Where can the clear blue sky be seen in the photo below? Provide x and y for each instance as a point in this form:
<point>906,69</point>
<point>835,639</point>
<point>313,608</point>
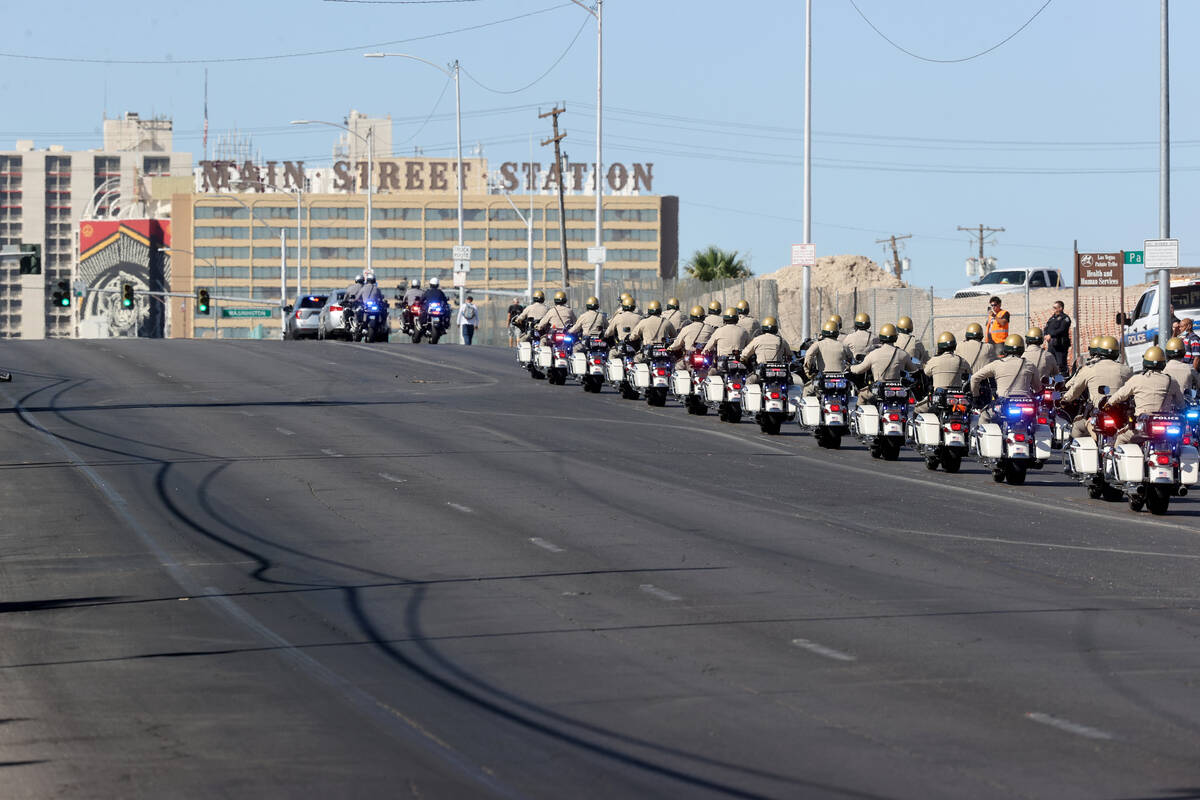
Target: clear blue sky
<point>1052,136</point>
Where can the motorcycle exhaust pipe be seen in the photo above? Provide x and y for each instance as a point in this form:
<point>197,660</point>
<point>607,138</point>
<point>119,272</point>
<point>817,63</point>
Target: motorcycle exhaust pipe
<point>1141,491</point>
<point>1183,491</point>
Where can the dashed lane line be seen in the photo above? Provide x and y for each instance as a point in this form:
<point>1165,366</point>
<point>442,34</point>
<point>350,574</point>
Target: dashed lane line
<point>661,594</point>
<point>462,508</point>
<point>822,650</point>
<point>550,546</point>
<point>1067,725</point>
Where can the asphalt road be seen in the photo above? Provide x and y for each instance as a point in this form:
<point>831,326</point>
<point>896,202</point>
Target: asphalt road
<point>271,569</point>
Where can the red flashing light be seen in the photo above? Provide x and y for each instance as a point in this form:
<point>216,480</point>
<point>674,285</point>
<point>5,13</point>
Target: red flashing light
<point>661,372</point>
<point>956,426</point>
<point>1042,421</point>
<point>737,386</point>
<point>297,314</point>
<point>597,361</point>
<point>1163,459</point>
<point>1108,423</point>
<point>335,308</point>
<point>835,407</point>
<point>894,417</point>
<point>912,400</point>
<point>774,395</point>
<point>1018,437</point>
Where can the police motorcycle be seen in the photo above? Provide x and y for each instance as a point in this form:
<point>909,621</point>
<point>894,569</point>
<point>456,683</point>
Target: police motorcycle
<point>432,323</point>
<point>372,325</point>
<point>619,368</point>
<point>553,355</point>
<point>651,377</point>
<point>1191,420</point>
<point>939,434</point>
<point>880,424</point>
<point>826,414</point>
<point>410,321</point>
<point>587,364</point>
<point>1081,455</point>
<point>722,392</point>
<point>526,353</point>
<point>768,399</point>
<point>1014,441</point>
<point>1050,412</point>
<point>687,384</point>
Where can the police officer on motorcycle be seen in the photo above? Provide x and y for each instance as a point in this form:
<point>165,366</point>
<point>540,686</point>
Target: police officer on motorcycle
<point>559,317</point>
<point>746,321</point>
<point>694,334</point>
<point>621,327</point>
<point>836,319</point>
<point>714,314</point>
<point>944,370</point>
<point>727,340</point>
<point>1152,392</point>
<point>1177,368</point>
<point>532,315</point>
<point>673,315</point>
<point>826,354</point>
<point>1105,371</point>
<point>1043,361</point>
<point>885,363</point>
<point>413,296</point>
<point>591,322</point>
<point>975,350</point>
<point>908,343</point>
<point>765,348</point>
<point>859,341</point>
<point>654,329</point>
<point>1012,372</point>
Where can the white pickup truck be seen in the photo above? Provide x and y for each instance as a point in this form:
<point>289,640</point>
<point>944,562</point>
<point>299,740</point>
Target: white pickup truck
<point>1008,281</point>
<point>1141,326</point>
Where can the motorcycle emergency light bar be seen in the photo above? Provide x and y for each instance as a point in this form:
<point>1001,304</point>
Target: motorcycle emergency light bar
<point>1168,430</point>
<point>1193,414</point>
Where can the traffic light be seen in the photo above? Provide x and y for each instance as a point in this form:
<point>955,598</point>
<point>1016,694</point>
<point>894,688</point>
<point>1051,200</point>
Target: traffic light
<point>202,306</point>
<point>62,298</point>
<point>127,295</point>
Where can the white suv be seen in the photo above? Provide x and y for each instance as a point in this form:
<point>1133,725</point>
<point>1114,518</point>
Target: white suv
<point>1141,326</point>
<point>1008,281</point>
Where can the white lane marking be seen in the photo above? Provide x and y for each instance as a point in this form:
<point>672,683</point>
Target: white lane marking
<point>661,594</point>
<point>247,413</point>
<point>463,509</point>
<point>164,375</point>
<point>1068,726</point>
<point>542,543</point>
<point>426,362</point>
<point>286,432</point>
<point>331,453</point>
<point>1051,545</point>
<point>822,650</point>
<point>392,478</point>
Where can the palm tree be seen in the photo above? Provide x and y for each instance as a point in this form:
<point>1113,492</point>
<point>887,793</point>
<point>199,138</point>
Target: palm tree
<point>712,263</point>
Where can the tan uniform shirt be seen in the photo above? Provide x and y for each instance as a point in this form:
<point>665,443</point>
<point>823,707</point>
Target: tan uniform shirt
<point>1184,375</point>
<point>885,363</point>
<point>675,317</point>
<point>767,347</point>
<point>532,313</point>
<point>622,325</point>
<point>557,318</point>
<point>590,323</point>
<point>913,346</point>
<point>1104,372</point>
<point>859,342</point>
<point>1152,393</point>
<point>827,355</point>
<point>947,370</point>
<point>977,354</point>
<point>652,330</point>
<point>727,339</point>
<point>715,320</point>
<point>1045,364</point>
<point>1013,374</point>
<point>750,325</point>
<point>696,334</point>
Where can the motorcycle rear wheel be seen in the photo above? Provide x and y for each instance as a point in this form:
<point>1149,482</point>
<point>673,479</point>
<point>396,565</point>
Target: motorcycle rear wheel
<point>931,463</point>
<point>1014,473</point>
<point>770,425</point>
<point>656,397</point>
<point>434,335</point>
<point>890,450</point>
<point>1158,500</point>
<point>951,462</point>
<point>416,336</point>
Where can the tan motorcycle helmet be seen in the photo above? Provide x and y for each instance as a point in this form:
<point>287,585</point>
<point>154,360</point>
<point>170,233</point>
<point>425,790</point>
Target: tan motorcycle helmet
<point>829,330</point>
<point>770,325</point>
<point>560,298</point>
<point>628,303</point>
<point>1094,346</point>
<point>730,317</point>
<point>946,343</point>
<point>696,314</point>
<point>1033,335</point>
<point>714,307</point>
<point>1014,345</point>
<point>887,334</point>
<point>673,304</point>
<point>975,331</point>
<point>904,325</point>
<point>862,321</point>
<point>836,319</point>
<point>539,296</point>
<point>743,308</point>
<point>1176,349</point>
<point>1108,347</point>
<point>1154,359</point>
<point>654,308</point>
<point>593,303</point>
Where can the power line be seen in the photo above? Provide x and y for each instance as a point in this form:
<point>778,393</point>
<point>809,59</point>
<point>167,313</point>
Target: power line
<point>1003,41</point>
<point>436,103</point>
<point>282,56</point>
<point>400,2</point>
<point>549,69</point>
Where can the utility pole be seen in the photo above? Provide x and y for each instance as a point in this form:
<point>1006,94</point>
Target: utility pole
<point>981,233</point>
<point>562,211</point>
<point>895,251</point>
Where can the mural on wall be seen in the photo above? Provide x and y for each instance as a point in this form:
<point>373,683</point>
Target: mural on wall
<point>113,253</point>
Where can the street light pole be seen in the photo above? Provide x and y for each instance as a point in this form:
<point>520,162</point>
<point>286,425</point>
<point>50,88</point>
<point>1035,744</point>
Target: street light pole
<point>369,141</point>
<point>1164,179</point>
<point>806,320</point>
<point>598,13</point>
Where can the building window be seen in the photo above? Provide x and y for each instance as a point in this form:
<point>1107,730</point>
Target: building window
<point>451,214</point>
<point>274,212</point>
<point>514,254</point>
<point>413,214</point>
<point>241,253</point>
<point>338,253</point>
<point>514,234</point>
<point>508,215</point>
<point>334,213</point>
<point>397,253</point>
<point>451,234</point>
<point>409,234</point>
<point>156,166</point>
<point>573,215</point>
<point>630,215</point>
<point>221,232</point>
<point>630,235</point>
<point>438,253</point>
<point>335,233</point>
<point>221,212</point>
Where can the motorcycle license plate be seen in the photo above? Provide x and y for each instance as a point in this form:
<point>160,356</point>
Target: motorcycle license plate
<point>734,394</point>
<point>774,405</point>
<point>1018,450</point>
<point>890,428</point>
<point>560,362</point>
<point>1162,474</point>
<point>838,419</point>
<point>660,380</point>
<point>597,369</point>
<point>955,438</point>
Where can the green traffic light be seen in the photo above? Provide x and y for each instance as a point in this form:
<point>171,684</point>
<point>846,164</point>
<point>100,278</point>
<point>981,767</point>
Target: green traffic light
<point>65,302</point>
<point>126,303</point>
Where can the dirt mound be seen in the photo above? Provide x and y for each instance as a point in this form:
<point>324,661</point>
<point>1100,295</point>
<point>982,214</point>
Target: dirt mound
<point>838,273</point>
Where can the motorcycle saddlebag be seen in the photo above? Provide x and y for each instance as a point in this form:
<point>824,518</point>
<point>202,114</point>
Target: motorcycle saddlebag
<point>1189,466</point>
<point>810,411</point>
<point>524,352</point>
<point>681,383</point>
<point>866,420</point>
<point>641,376</point>
<point>579,364</point>
<point>714,389</point>
<point>989,440</point>
<point>1129,462</point>
<point>1083,455</point>
<point>1043,442</point>
<point>927,429</point>
<point>614,370</point>
<point>545,356</point>
<point>752,398</point>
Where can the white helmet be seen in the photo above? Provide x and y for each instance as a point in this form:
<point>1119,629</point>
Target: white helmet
<point>414,284</point>
<point>433,282</point>
<point>360,279</point>
<point>370,279</point>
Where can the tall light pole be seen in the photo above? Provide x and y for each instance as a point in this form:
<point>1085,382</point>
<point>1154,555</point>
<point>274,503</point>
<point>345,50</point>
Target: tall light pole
<point>1164,179</point>
<point>806,322</point>
<point>598,13</point>
<point>299,193</point>
<point>368,140</point>
<point>452,71</point>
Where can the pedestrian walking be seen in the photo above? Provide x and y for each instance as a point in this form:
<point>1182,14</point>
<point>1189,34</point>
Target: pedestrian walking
<point>468,319</point>
<point>1058,335</point>
<point>514,311</point>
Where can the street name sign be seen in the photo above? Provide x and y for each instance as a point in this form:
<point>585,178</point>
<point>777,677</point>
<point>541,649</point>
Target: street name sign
<point>243,313</point>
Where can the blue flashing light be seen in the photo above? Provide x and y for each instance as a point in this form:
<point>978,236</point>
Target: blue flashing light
<point>1174,430</point>
<point>1014,411</point>
<point>1194,414</point>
